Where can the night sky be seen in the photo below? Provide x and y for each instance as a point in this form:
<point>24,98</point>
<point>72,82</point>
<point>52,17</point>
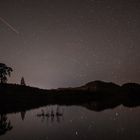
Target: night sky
<point>62,43</point>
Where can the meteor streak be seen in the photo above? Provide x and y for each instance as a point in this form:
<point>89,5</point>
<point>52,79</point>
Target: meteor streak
<point>10,26</point>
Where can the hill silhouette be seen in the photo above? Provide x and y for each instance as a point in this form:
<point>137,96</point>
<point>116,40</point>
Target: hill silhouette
<point>95,95</point>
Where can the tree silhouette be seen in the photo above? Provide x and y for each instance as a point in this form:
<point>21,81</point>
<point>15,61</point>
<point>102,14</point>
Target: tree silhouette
<point>4,72</point>
<point>22,81</point>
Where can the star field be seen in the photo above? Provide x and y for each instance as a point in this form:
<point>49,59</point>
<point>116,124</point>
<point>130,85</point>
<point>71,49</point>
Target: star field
<point>68,43</point>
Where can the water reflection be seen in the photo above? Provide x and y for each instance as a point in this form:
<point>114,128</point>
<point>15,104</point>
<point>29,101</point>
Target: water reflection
<point>54,122</point>
<point>23,113</point>
<point>5,124</point>
<point>52,114</point>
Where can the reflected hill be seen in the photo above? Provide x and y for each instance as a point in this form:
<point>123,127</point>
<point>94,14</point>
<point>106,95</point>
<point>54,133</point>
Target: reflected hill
<point>96,95</point>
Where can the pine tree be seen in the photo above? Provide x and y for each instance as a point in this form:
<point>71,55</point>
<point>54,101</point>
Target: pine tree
<point>22,81</point>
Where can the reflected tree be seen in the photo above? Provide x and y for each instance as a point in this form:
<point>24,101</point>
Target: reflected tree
<point>5,71</point>
<point>5,124</point>
<point>59,114</point>
<point>52,115</point>
<point>23,113</point>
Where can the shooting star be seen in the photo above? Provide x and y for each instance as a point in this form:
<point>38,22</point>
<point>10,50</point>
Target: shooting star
<point>10,26</point>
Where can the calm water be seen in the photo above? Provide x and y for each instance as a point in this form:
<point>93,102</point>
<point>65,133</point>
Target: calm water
<point>73,123</point>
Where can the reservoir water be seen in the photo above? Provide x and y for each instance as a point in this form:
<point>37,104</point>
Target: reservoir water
<point>56,122</point>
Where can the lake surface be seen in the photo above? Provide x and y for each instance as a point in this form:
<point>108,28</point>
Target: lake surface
<point>71,123</point>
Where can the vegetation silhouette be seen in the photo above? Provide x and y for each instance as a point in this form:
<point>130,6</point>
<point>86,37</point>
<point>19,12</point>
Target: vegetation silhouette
<point>5,124</point>
<point>22,81</point>
<point>96,95</point>
<point>5,71</point>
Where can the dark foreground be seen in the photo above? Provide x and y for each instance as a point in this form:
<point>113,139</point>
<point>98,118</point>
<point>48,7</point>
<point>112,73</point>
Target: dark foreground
<point>70,113</point>
<point>95,96</point>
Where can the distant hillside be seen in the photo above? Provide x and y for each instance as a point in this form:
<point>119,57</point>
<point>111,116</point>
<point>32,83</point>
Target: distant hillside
<point>95,95</point>
<point>95,86</point>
